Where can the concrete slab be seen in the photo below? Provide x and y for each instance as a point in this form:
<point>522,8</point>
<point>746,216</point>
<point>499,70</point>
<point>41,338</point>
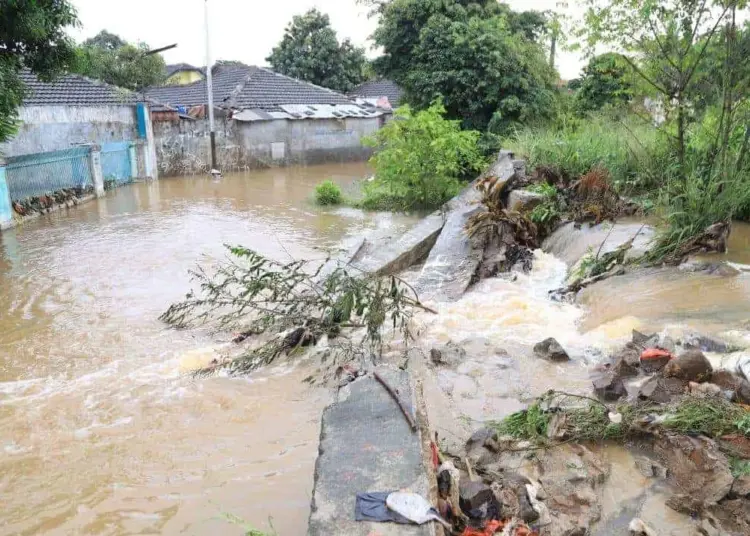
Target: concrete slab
<point>366,445</point>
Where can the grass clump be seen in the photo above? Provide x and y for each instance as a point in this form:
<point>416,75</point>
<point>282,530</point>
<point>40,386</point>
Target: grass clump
<point>585,419</point>
<point>549,211</point>
<point>634,154</point>
<point>419,161</point>
<point>328,193</point>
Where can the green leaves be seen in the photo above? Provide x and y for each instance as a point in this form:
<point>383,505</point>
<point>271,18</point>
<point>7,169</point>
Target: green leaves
<point>419,159</point>
<point>310,51</point>
<point>479,58</point>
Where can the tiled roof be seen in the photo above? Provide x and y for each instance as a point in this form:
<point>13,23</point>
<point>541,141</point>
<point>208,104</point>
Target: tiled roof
<point>244,87</point>
<point>73,90</point>
<point>380,88</point>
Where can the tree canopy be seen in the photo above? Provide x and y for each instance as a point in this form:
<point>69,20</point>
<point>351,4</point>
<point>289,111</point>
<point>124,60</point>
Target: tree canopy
<point>479,57</point>
<point>311,51</point>
<point>110,58</point>
<point>607,80</point>
<point>32,36</point>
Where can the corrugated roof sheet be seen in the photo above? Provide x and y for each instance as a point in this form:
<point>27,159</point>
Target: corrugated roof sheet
<point>73,90</point>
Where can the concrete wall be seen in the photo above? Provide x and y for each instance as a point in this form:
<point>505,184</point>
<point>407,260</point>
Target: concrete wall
<point>183,147</point>
<point>51,128</point>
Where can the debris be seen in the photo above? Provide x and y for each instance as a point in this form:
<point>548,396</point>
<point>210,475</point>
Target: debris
<point>539,507</point>
<point>371,506</point>
<point>394,395</point>
<point>608,386</point>
<point>614,417</point>
<point>654,359</point>
<point>638,528</point>
<point>453,488</point>
<point>691,365</point>
<point>661,390</point>
<point>551,350</point>
<point>473,495</point>
<point>414,507</point>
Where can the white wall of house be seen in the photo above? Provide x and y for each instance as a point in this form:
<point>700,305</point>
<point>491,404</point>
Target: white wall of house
<point>51,128</point>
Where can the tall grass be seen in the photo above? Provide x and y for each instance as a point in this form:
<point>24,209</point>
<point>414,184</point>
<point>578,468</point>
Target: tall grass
<point>635,154</point>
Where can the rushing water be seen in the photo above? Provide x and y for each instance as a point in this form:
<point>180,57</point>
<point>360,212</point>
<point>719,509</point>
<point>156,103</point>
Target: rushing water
<point>101,432</point>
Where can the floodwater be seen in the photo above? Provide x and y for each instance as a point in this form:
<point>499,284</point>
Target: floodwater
<point>101,429</point>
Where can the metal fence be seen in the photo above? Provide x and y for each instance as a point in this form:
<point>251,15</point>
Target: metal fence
<point>41,173</point>
<point>116,164</point>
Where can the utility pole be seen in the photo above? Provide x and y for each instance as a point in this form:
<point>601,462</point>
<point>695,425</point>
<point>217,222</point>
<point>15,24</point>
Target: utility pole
<point>210,90</point>
<point>556,27</point>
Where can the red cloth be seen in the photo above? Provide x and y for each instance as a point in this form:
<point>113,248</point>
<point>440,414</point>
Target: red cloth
<point>655,353</point>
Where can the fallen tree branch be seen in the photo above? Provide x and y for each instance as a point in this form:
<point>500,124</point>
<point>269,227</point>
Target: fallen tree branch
<point>394,395</point>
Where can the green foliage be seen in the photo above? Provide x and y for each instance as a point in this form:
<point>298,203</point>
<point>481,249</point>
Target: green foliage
<point>635,154</point>
<point>480,58</point>
<point>293,304</point>
<point>530,423</point>
<point>32,36</point>
<point>548,212</point>
<point>739,467</point>
<point>328,193</point>
<point>311,51</point>
<point>607,80</point>
<point>419,160</point>
<point>109,58</point>
<point>247,527</point>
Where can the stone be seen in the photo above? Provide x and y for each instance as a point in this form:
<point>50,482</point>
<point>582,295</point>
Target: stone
<point>524,200</point>
<point>661,390</point>
<point>481,436</point>
<point>706,344</point>
<point>690,365</point>
<point>608,386</point>
<point>623,368</point>
<point>550,350</point>
<point>638,528</point>
<point>449,354</point>
<point>650,468</point>
<point>473,495</point>
<point>741,486</point>
<point>739,387</point>
<point>697,470</point>
<point>736,445</point>
<point>640,339</point>
<point>631,354</point>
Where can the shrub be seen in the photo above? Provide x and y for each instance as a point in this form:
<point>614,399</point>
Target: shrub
<point>328,193</point>
<point>419,159</point>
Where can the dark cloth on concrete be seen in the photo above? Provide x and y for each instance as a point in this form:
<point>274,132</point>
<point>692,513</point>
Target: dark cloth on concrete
<point>371,506</point>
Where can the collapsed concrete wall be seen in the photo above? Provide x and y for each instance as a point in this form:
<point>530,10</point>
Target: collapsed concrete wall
<point>183,146</point>
<point>52,128</point>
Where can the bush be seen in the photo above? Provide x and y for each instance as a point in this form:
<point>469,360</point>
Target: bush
<point>328,193</point>
<point>419,160</point>
<point>635,154</point>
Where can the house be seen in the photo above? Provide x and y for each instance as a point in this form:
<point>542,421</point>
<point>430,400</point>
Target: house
<point>383,94</point>
<point>183,73</point>
<point>69,111</point>
<point>262,118</point>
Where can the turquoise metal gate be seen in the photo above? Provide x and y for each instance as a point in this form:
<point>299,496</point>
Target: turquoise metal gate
<point>37,174</point>
<point>116,162</point>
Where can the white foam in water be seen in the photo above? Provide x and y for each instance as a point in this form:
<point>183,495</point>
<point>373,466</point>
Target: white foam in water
<point>518,310</point>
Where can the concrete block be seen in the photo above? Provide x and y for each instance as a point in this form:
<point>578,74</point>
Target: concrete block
<point>366,445</point>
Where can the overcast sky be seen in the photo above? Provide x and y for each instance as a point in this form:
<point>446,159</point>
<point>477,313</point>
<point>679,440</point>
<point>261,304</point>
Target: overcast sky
<point>243,30</point>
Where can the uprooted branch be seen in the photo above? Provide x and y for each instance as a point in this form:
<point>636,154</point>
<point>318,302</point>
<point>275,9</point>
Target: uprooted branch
<point>292,305</point>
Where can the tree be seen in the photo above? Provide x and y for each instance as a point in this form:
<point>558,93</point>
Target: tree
<point>109,58</point>
<point>607,80</point>
<point>32,36</point>
<point>474,55</point>
<point>310,51</point>
<point>665,42</point>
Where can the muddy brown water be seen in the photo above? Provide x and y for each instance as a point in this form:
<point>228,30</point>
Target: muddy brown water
<point>101,430</point>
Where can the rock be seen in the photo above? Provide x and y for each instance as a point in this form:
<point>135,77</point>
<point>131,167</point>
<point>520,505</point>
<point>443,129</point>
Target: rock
<point>690,365</point>
<point>737,386</point>
<point>638,528</point>
<point>608,386</point>
<point>524,200</point>
<point>650,468</point>
<point>550,350</point>
<point>696,468</point>
<point>721,269</point>
<point>472,495</point>
<point>661,390</point>
<point>741,486</point>
<point>705,343</point>
<point>623,367</point>
<point>631,354</point>
<point>449,354</point>
<point>639,339</point>
<point>680,502</point>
